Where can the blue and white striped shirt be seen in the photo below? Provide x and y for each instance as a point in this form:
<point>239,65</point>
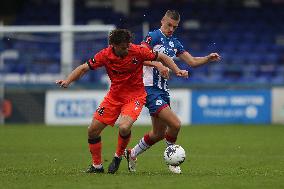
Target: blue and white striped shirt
<point>170,46</point>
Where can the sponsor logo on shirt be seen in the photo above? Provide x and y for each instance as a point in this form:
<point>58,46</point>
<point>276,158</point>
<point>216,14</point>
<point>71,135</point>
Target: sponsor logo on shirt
<point>148,39</point>
<point>159,48</point>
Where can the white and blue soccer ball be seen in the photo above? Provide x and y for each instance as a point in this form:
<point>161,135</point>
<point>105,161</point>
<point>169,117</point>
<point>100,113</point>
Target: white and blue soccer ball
<point>174,155</point>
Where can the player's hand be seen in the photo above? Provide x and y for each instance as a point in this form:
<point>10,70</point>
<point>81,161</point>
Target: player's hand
<point>62,83</point>
<point>213,57</point>
<point>182,73</point>
<point>164,71</point>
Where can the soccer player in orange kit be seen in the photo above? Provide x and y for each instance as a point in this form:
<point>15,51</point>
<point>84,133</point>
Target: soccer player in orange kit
<point>123,62</point>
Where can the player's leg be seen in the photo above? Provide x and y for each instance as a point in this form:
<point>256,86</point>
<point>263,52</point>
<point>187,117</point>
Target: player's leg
<point>173,123</point>
<point>106,114</point>
<point>156,134</point>
<point>166,117</point>
<point>149,139</point>
<point>95,146</point>
<point>159,129</point>
<point>122,142</point>
<point>155,103</point>
<point>129,113</point>
<point>124,127</point>
<point>157,100</point>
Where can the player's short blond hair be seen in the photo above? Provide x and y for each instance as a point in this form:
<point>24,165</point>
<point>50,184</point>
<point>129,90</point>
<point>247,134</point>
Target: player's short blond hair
<point>173,14</point>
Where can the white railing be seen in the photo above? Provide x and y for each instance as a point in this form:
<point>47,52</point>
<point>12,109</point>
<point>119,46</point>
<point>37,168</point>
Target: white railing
<point>52,28</point>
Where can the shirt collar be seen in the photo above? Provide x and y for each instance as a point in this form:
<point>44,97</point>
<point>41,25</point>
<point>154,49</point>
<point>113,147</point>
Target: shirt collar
<point>164,34</point>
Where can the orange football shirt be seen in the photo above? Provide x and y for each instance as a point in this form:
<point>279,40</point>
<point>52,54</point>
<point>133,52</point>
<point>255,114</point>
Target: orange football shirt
<point>125,73</point>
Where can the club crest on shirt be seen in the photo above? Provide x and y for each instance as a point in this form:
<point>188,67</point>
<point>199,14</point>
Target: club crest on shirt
<point>137,103</point>
<point>159,102</point>
<point>134,61</point>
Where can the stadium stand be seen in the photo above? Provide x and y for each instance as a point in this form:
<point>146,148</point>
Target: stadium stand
<point>248,37</point>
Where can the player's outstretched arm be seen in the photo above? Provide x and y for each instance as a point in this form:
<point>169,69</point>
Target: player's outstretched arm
<point>167,61</point>
<point>198,61</point>
<point>163,70</point>
<point>73,76</point>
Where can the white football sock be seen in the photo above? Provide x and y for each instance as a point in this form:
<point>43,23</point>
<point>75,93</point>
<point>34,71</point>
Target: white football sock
<point>141,147</point>
<point>98,166</point>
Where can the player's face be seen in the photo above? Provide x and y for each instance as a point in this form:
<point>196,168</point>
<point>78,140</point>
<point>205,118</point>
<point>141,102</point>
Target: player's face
<point>121,49</point>
<point>169,26</point>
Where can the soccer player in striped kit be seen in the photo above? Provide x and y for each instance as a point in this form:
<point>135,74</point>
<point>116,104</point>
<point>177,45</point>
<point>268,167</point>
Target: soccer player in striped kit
<point>165,122</point>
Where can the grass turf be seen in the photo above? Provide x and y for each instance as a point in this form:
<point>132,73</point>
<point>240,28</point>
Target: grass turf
<point>36,156</point>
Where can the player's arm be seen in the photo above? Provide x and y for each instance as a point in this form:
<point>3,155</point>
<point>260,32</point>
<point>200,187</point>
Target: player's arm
<point>73,76</point>
<point>198,61</point>
<point>167,61</point>
<point>163,70</point>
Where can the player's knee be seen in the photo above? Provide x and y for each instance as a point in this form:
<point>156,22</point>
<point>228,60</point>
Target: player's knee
<point>124,129</point>
<point>93,132</point>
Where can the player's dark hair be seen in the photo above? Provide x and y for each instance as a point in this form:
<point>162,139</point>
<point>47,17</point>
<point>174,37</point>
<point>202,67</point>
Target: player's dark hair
<point>119,36</point>
<point>173,14</point>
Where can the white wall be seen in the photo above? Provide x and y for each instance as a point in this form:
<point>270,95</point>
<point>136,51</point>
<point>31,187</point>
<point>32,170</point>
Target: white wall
<point>77,107</point>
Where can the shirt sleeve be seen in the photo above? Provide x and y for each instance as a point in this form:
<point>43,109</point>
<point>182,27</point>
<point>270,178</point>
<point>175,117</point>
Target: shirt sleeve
<point>148,54</point>
<point>179,47</point>
<point>98,60</point>
<point>149,40</point>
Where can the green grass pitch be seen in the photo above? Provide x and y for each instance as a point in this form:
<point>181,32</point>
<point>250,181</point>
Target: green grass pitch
<point>247,156</point>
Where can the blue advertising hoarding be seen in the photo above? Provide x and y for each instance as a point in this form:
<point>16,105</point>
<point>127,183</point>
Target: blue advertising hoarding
<point>231,106</point>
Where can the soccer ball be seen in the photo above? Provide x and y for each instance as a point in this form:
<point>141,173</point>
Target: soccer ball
<point>174,155</point>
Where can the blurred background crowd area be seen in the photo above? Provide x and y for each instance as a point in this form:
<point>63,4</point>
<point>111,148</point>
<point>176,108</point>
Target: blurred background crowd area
<point>248,34</point>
